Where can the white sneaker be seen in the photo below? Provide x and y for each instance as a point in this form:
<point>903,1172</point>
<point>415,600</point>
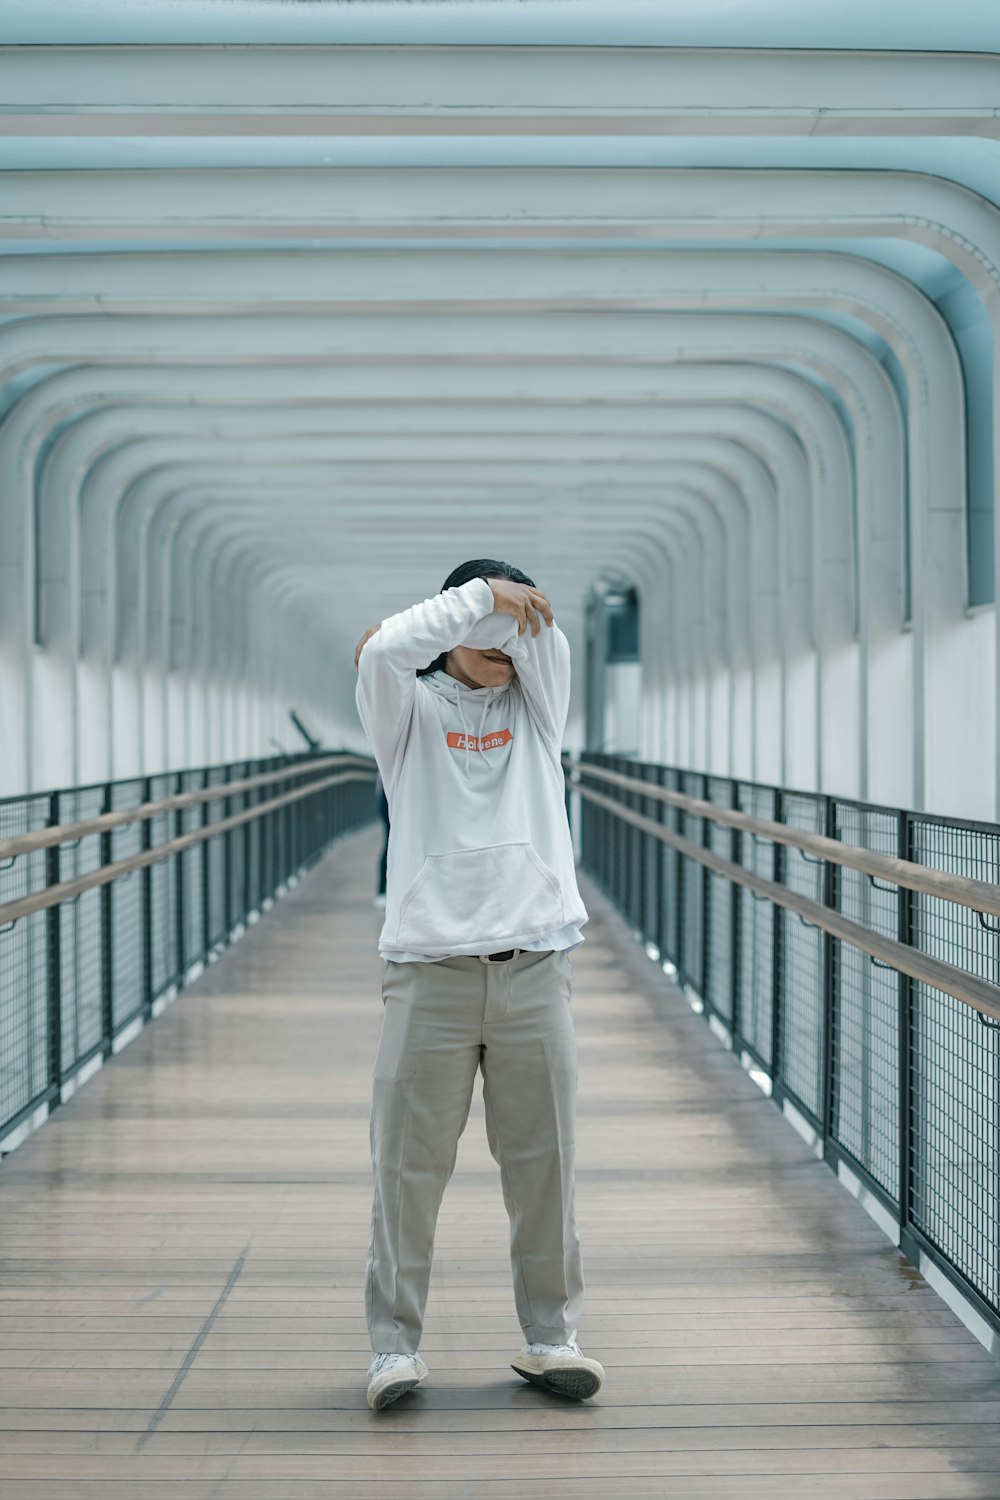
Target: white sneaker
<point>393,1375</point>
<point>561,1368</point>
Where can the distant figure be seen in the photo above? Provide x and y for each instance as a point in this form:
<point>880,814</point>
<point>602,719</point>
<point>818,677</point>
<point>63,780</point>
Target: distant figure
<point>383,808</point>
<point>464,699</point>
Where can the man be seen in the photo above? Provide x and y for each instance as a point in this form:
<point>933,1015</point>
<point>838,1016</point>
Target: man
<point>482,911</point>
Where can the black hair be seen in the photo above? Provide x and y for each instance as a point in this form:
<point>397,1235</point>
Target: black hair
<point>479,567</point>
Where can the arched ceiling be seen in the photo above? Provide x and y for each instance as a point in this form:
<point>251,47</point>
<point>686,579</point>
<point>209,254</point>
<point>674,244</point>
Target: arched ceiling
<point>302,303</point>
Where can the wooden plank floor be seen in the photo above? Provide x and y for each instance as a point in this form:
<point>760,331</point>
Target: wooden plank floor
<point>182,1249</point>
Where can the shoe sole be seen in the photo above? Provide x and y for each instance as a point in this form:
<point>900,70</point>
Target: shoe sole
<point>579,1385</point>
<point>391,1393</point>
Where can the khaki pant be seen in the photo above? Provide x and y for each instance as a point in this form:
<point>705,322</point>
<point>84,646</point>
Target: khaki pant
<point>443,1021</point>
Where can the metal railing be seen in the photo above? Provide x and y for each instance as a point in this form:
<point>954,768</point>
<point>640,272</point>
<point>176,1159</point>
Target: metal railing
<point>114,895</point>
<point>851,953</point>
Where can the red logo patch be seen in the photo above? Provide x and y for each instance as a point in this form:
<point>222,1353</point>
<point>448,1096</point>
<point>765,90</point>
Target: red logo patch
<point>459,741</point>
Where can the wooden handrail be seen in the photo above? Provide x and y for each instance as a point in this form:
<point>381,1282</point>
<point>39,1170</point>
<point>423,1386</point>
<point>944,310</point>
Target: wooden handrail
<point>69,890</point>
<point>978,895</point>
<point>68,833</point>
<point>976,993</point>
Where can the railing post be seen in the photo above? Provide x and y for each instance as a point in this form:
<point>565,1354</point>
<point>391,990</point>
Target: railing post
<point>777,949</point>
<point>617,844</point>
<point>249,831</point>
<point>304,811</point>
<point>180,913</point>
<point>830,997</point>
<point>661,815</point>
<point>295,819</point>
<point>288,834</point>
<point>640,804</point>
<point>614,842</point>
<point>206,873</point>
<point>586,826</point>
<point>602,842</point>
<point>680,897</point>
<point>146,843</point>
<point>650,850</point>
<point>604,831</point>
<point>53,924</point>
<point>266,821</point>
<point>295,825</point>
<point>593,830</point>
<point>279,837</point>
<point>294,813</point>
<point>906,992</point>
<point>107,977</point>
<point>706,901</point>
<point>267,849</point>
<point>631,839</point>
<point>621,847</point>
<point>227,862</point>
<point>735,955</point>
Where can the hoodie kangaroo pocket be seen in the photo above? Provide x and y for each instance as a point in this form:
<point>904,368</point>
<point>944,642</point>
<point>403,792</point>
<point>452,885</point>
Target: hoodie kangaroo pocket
<point>478,895</point>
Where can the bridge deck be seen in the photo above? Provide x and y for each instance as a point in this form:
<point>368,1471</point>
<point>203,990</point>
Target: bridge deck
<point>182,1247</point>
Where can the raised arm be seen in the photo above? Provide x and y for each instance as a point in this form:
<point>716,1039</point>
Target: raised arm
<point>542,664</point>
<point>390,658</point>
<point>540,653</point>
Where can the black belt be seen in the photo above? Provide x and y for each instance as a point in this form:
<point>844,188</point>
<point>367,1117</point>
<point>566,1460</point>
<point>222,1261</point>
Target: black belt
<point>499,958</point>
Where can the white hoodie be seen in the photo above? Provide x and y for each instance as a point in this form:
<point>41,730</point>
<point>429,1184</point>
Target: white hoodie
<point>480,856</point>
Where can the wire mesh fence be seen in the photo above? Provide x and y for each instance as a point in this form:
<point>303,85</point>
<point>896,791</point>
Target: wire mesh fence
<point>900,1081</point>
<point>24,972</point>
<point>74,976</point>
<point>952,1140</point>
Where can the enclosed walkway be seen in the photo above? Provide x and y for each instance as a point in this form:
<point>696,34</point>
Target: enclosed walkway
<point>182,1251</point>
<point>688,310</point>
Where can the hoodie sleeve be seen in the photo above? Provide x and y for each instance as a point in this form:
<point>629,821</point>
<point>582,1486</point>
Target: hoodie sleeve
<point>406,642</point>
<point>542,664</point>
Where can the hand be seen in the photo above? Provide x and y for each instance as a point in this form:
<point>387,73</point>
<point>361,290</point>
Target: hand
<point>521,601</point>
<point>372,630</point>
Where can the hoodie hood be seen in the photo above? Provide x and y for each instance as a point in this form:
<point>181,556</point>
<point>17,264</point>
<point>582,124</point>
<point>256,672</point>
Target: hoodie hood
<point>446,686</point>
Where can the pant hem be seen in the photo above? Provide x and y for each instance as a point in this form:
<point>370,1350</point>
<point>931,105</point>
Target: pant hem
<point>536,1335</point>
